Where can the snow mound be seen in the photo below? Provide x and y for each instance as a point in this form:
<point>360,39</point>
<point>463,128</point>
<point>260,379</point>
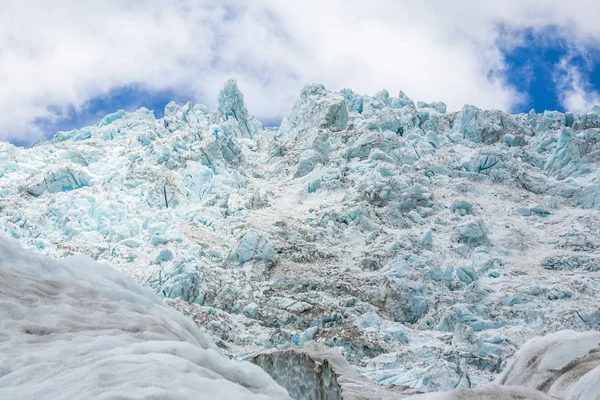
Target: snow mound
<point>77,329</point>
<point>565,365</point>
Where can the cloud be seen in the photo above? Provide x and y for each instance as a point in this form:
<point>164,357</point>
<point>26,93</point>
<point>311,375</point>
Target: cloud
<point>575,95</point>
<point>57,56</point>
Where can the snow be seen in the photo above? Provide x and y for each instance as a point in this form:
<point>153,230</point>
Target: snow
<point>565,364</point>
<point>77,329</point>
<point>490,392</point>
<point>466,233</point>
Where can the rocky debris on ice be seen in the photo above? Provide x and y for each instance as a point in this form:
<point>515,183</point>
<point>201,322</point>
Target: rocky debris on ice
<point>465,233</point>
<point>488,392</point>
<point>77,329</point>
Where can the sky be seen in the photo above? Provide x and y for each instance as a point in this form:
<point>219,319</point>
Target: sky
<point>66,63</point>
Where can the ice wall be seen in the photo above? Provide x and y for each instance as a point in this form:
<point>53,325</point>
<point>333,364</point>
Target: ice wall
<point>316,372</point>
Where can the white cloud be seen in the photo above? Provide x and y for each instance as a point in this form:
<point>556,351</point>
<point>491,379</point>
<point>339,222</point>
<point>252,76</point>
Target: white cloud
<point>65,52</point>
<point>574,93</point>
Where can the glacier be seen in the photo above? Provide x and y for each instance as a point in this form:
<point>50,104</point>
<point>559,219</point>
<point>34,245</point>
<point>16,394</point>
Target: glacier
<point>77,329</point>
<point>425,245</point>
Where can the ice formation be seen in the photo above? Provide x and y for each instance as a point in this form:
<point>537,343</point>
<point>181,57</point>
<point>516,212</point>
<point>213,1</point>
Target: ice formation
<point>426,245</point>
<point>77,329</point>
<point>316,372</point>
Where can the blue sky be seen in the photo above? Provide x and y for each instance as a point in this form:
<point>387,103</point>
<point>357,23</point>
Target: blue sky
<point>129,98</point>
<point>533,68</point>
<point>66,64</point>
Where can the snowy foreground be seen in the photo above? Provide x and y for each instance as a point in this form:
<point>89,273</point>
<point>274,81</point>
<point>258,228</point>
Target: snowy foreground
<point>426,246</point>
<point>77,329</point>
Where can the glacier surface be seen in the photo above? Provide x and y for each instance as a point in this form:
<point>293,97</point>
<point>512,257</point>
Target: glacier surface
<point>77,329</point>
<point>426,245</point>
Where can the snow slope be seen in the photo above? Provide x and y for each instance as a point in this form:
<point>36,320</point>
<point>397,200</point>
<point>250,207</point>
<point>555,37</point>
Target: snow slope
<point>76,329</point>
<point>565,364</point>
<point>426,245</point>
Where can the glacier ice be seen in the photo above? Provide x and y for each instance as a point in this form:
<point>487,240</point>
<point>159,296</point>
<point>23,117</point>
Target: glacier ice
<point>61,180</point>
<point>320,373</point>
<point>253,247</point>
<point>427,245</point>
<point>77,329</point>
<point>231,104</point>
